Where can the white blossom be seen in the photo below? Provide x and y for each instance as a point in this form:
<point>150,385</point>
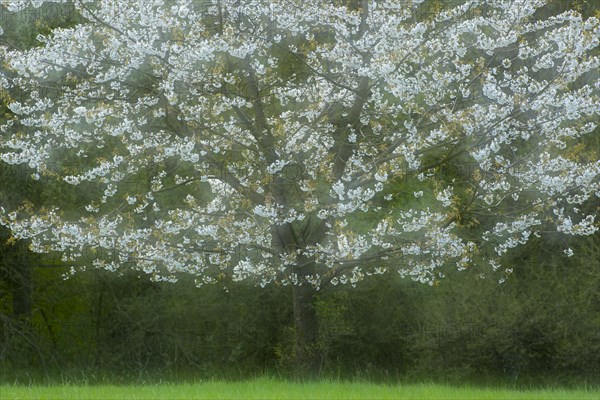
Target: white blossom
<point>193,142</point>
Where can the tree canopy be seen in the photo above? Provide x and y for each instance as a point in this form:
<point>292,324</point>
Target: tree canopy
<point>305,142</point>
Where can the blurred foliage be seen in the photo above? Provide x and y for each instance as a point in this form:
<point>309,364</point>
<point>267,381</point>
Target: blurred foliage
<point>542,323</point>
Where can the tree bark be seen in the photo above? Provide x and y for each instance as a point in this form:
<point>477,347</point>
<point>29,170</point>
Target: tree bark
<point>307,358</point>
<point>22,281</point>
<point>21,291</point>
<point>306,355</point>
<point>15,265</point>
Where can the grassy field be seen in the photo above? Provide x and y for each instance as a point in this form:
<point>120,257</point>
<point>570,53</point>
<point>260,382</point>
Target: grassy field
<point>278,389</point>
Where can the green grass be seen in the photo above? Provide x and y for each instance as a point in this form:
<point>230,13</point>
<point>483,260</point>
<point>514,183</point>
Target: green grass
<point>266,388</point>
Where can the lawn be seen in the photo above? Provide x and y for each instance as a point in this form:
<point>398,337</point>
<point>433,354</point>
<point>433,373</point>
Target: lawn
<point>279,389</point>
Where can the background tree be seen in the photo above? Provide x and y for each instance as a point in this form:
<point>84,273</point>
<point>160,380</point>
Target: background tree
<point>266,141</point>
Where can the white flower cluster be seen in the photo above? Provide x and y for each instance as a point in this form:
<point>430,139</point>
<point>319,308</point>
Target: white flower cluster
<point>189,122</point>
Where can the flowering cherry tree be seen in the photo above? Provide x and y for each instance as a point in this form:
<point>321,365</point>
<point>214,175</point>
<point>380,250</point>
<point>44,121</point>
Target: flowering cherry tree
<point>305,143</point>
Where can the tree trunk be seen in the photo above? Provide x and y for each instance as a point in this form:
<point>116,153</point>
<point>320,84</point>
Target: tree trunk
<point>306,353</point>
<point>21,292</point>
<point>19,272</point>
<point>289,238</point>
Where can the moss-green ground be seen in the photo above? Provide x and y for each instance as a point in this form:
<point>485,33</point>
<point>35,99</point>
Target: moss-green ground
<point>280,389</point>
